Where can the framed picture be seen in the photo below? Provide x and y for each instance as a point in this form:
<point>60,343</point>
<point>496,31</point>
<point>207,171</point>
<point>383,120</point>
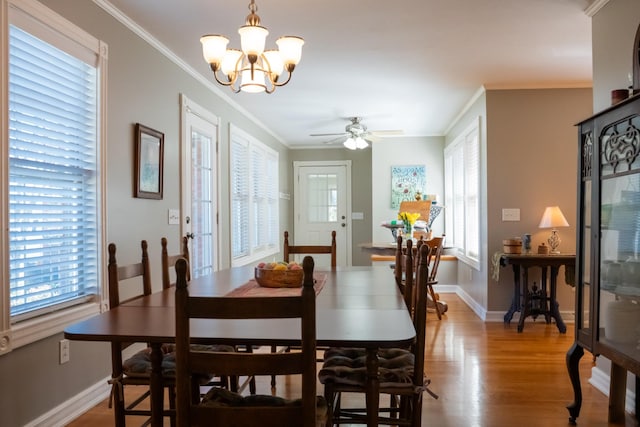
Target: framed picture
<point>149,162</point>
<point>405,182</point>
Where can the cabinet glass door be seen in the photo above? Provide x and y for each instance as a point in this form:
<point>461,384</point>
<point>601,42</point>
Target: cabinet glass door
<point>619,293</point>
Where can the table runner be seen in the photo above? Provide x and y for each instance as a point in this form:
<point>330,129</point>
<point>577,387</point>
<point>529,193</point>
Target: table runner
<point>253,289</point>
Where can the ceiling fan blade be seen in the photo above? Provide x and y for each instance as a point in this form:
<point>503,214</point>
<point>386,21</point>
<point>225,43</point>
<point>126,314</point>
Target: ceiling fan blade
<point>328,134</point>
<point>339,139</point>
<point>395,132</point>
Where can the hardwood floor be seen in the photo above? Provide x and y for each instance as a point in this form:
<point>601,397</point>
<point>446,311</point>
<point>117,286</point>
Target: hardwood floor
<point>487,375</point>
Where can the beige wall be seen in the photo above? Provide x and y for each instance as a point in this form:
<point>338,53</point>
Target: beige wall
<point>531,163</point>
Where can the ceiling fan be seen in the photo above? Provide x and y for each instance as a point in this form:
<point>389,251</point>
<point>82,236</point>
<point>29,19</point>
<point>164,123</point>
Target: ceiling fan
<point>357,135</point>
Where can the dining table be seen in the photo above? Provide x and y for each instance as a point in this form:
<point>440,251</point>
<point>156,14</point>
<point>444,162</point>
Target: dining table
<point>355,307</point>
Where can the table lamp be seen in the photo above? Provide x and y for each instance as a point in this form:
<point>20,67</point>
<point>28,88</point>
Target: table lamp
<point>553,218</point>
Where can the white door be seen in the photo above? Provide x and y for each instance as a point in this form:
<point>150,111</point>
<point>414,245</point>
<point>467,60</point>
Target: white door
<point>199,186</point>
<point>322,204</point>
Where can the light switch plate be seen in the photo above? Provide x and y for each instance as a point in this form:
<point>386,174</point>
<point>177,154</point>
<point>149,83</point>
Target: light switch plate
<point>174,217</point>
<point>512,214</point>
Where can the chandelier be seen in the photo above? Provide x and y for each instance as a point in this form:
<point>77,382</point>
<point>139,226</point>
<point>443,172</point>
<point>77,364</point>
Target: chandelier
<point>252,69</point>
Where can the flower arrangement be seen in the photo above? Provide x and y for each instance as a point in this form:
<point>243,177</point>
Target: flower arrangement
<point>409,219</point>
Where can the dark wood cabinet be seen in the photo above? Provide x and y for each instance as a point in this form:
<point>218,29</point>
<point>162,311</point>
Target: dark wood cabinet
<point>608,254</point>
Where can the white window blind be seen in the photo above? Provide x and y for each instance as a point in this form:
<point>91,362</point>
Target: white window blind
<point>53,180</point>
<point>462,189</point>
<point>254,199</point>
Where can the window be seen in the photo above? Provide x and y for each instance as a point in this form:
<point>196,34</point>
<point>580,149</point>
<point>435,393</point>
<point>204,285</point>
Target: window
<point>254,199</point>
<point>53,183</point>
<point>462,188</point>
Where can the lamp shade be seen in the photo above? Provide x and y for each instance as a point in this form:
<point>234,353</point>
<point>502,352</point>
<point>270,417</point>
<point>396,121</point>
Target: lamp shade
<point>553,218</point>
<point>252,39</point>
<point>214,48</point>
<point>290,48</point>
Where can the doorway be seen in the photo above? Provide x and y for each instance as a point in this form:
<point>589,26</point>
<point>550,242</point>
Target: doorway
<point>322,204</point>
<point>199,186</point>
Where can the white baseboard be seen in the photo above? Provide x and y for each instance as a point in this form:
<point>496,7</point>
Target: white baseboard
<point>600,380</point>
<point>74,407</point>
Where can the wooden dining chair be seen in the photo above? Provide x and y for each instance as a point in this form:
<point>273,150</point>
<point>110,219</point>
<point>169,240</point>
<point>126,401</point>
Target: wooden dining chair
<point>401,370</point>
<point>134,281</point>
<point>289,249</point>
<point>169,261</point>
<point>437,248</point>
<point>221,407</point>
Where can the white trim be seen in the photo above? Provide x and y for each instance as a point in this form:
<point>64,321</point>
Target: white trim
<point>323,163</point>
<point>189,107</point>
<point>235,133</point>
<point>72,408</point>
<point>594,7</point>
<point>601,381</point>
<point>26,332</point>
<point>40,327</point>
<point>466,108</point>
<point>144,35</point>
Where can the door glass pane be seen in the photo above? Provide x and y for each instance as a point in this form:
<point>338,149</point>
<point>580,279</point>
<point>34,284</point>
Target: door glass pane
<point>322,198</point>
<point>201,204</point>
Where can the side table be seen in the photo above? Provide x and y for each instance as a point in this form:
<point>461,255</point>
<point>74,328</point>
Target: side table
<point>523,296</point>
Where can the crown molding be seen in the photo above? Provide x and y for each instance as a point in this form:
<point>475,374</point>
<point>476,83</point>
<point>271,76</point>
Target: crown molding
<point>594,7</point>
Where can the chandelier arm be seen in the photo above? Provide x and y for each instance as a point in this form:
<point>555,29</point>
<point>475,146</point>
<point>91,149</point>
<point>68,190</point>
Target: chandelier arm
<point>278,84</point>
<point>229,82</point>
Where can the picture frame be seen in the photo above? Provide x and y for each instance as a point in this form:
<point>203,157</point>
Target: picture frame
<point>149,162</point>
<point>405,182</point>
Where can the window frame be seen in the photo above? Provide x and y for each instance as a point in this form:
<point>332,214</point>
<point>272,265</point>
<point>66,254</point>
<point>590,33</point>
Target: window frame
<point>462,194</point>
<point>45,24</point>
<point>270,170</point>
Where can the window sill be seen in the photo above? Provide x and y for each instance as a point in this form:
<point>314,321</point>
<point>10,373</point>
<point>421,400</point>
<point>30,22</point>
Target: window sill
<point>45,326</point>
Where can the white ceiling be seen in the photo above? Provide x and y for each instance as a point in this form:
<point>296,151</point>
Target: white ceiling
<point>410,65</point>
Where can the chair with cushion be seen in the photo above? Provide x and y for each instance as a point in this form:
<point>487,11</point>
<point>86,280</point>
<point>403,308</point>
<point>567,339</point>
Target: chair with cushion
<point>221,407</point>
<point>168,261</point>
<point>134,281</point>
<point>310,249</point>
<point>401,370</point>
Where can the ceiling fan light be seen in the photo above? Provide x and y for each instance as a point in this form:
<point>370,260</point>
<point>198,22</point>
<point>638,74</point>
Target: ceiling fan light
<point>214,48</point>
<point>274,60</point>
<point>290,48</point>
<point>361,143</point>
<point>350,143</point>
<point>252,39</point>
<point>255,84</point>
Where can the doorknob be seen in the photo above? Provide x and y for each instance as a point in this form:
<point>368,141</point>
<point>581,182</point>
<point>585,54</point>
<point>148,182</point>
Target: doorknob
<point>343,224</point>
<point>189,235</point>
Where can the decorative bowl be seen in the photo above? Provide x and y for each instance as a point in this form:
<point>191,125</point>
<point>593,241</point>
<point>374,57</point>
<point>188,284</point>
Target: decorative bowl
<point>279,278</point>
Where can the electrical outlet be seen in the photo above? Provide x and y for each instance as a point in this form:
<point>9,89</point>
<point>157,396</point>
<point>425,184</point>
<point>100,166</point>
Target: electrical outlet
<point>64,351</point>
